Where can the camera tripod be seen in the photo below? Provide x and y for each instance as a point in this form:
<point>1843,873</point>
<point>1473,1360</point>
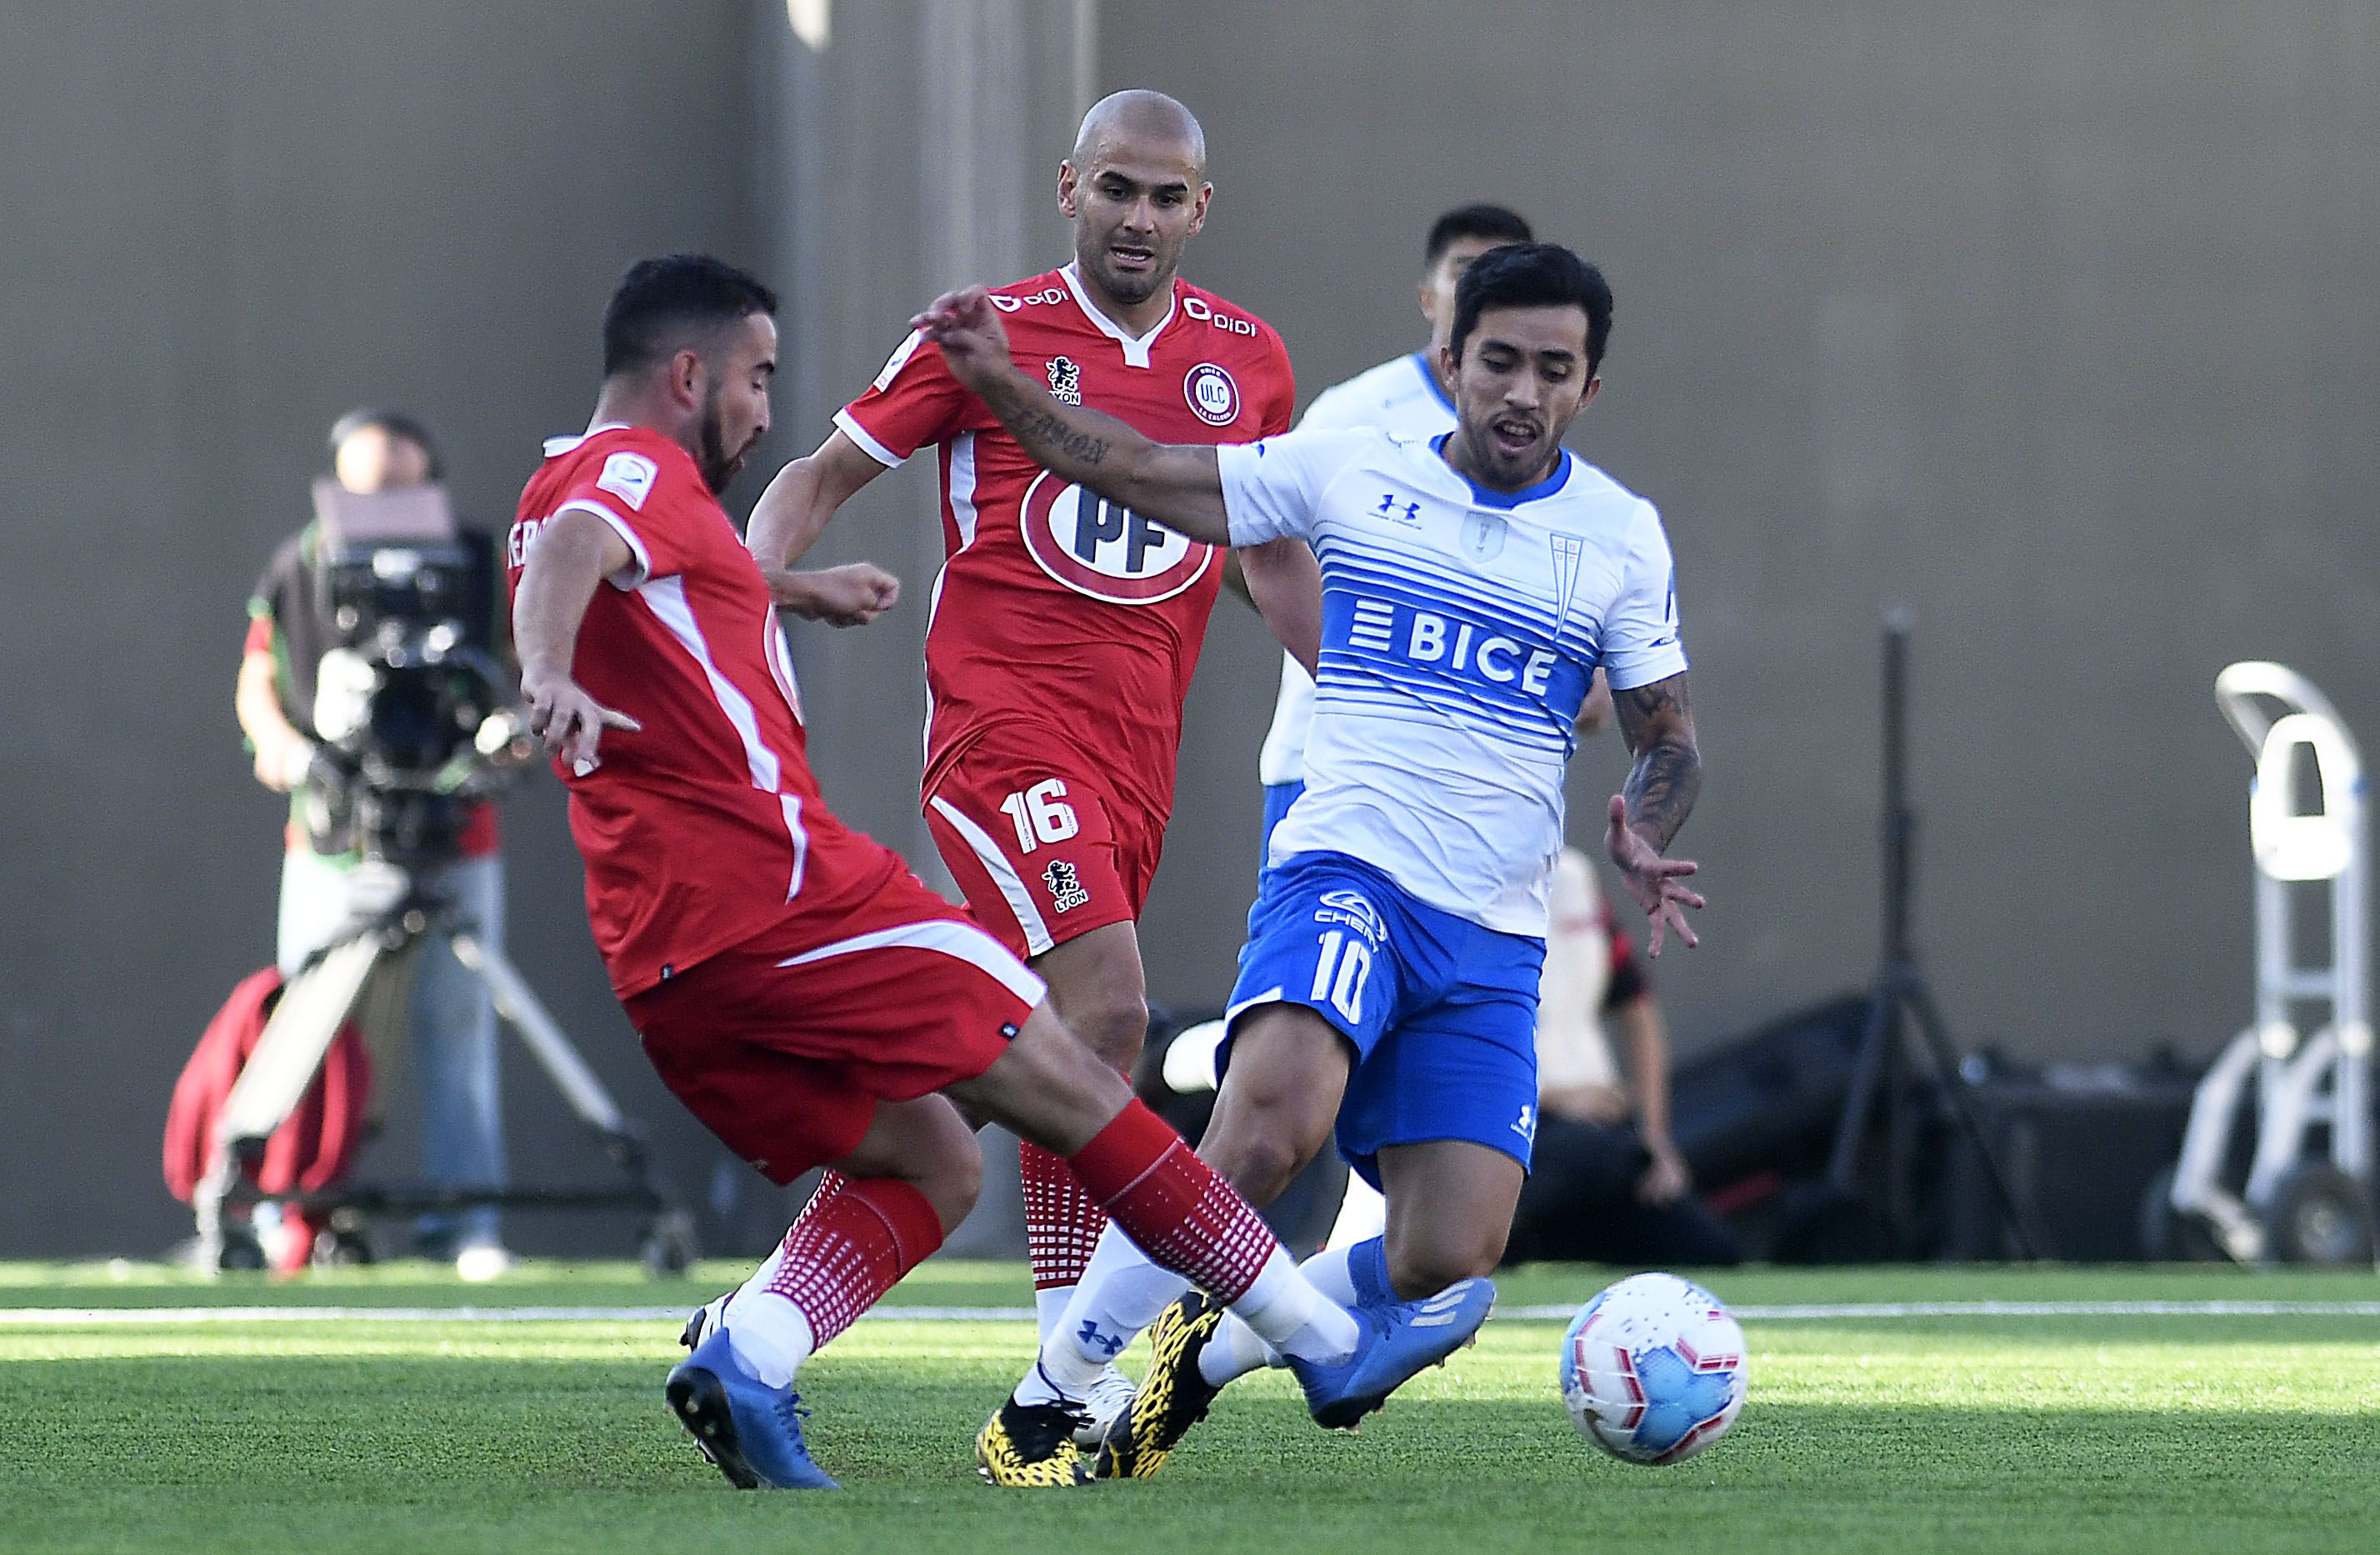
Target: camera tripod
<point>366,974</point>
<point>1901,1001</point>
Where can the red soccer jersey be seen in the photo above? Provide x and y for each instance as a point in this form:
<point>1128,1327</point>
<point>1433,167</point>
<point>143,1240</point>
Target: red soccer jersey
<point>1055,606</point>
<point>705,828</point>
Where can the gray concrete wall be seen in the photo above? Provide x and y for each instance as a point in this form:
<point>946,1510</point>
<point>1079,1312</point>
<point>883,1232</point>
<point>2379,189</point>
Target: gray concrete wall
<point>2055,321</point>
<point>228,221</point>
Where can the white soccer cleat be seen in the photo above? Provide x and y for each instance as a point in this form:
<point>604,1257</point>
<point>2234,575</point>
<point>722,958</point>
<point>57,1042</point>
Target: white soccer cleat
<point>1109,1397</point>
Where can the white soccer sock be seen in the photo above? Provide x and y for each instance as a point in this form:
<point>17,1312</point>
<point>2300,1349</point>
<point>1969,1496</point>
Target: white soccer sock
<point>768,1272</point>
<point>1050,1307</point>
<point>1363,1214</point>
<point>1237,1348</point>
<point>1039,1387</point>
<point>1326,1271</point>
<point>1122,1292</point>
<point>1285,1309</point>
<point>769,1334</point>
<point>1234,1352</point>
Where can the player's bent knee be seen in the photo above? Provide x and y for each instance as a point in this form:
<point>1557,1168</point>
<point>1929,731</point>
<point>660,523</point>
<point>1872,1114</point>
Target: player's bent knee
<point>1258,1163</point>
<point>927,1145</point>
<point>1115,1026</point>
<point>1096,984</point>
<point>955,1182</point>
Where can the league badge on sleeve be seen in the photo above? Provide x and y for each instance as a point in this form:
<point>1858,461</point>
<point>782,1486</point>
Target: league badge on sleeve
<point>628,477</point>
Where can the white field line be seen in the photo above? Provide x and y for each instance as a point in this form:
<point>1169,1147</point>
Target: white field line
<point>162,1316</point>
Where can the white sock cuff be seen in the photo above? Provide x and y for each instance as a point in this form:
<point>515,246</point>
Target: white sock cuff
<point>769,1335</point>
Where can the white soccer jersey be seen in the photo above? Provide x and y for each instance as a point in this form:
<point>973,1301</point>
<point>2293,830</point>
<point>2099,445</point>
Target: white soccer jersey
<point>1403,397</point>
<point>1460,628</point>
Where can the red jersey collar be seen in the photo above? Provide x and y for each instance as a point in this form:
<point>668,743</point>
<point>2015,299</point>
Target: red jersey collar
<point>1135,346</point>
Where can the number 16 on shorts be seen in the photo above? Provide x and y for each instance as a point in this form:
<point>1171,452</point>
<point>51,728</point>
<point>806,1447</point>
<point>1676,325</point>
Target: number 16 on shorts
<point>1041,815</point>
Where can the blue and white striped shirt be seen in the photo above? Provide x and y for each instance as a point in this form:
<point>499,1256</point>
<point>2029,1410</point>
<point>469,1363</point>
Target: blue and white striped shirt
<point>1460,628</point>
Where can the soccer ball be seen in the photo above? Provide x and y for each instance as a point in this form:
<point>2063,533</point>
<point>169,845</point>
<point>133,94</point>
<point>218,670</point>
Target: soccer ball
<point>1652,1369</point>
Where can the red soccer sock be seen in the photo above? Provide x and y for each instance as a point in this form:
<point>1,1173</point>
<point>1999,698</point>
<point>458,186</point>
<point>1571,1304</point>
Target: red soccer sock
<point>849,1248</point>
<point>830,1183</point>
<point>1062,1222</point>
<point>1172,1204</point>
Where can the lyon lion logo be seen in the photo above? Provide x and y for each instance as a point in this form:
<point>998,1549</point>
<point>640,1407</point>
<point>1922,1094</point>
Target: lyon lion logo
<point>1066,893</point>
<point>1065,381</point>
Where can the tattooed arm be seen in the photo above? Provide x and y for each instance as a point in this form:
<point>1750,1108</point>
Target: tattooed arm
<point>1659,729</point>
<point>1645,814</point>
<point>1176,484</point>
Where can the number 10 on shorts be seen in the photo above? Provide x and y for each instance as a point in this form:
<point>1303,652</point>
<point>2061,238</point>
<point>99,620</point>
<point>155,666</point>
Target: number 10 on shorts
<point>1338,975</point>
<point>1040,814</point>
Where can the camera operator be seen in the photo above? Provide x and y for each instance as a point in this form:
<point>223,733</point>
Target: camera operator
<point>452,1020</point>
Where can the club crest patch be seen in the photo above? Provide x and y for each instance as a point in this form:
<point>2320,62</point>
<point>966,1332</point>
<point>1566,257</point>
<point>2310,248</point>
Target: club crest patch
<point>1066,892</point>
<point>1212,394</point>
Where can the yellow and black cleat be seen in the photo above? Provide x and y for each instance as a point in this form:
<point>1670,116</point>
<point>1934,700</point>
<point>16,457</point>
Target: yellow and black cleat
<point>1172,1397</point>
<point>1031,1447</point>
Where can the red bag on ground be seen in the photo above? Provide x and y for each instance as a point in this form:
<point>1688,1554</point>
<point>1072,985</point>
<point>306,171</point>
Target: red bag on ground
<point>311,1150</point>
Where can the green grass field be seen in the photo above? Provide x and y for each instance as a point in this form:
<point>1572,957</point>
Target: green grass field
<point>2153,1433</point>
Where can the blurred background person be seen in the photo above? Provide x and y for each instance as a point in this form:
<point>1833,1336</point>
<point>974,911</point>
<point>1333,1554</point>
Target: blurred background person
<point>452,1020</point>
<point>1404,395</point>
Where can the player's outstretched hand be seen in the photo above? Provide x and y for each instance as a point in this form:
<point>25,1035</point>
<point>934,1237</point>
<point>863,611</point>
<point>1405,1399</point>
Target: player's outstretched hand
<point>967,326</point>
<point>569,720</point>
<point>1658,883</point>
<point>852,595</point>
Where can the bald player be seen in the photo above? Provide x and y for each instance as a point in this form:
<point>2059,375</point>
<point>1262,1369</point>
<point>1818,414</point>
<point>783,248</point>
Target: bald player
<point>1064,627</point>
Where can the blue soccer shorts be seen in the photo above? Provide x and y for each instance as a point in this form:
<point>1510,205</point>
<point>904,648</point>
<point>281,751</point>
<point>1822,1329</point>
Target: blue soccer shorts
<point>1442,1012</point>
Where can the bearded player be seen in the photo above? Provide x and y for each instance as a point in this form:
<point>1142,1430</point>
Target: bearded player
<point>1065,627</point>
<point>794,984</point>
<point>1473,583</point>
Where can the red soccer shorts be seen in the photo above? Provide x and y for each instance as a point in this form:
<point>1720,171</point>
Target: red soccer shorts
<point>1043,847</point>
<point>784,1046</point>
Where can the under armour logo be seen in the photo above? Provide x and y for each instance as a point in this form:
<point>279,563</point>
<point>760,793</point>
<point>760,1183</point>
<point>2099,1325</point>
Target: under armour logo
<point>1389,508</point>
<point>1090,1338</point>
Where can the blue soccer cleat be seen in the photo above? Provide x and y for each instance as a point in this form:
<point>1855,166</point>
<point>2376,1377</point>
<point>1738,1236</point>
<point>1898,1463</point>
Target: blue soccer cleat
<point>753,1432</point>
<point>1400,1338</point>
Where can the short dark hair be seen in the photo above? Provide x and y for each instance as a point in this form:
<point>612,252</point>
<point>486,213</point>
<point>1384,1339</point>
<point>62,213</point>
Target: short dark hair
<point>395,423</point>
<point>1474,221</point>
<point>1533,275</point>
<point>660,301</point>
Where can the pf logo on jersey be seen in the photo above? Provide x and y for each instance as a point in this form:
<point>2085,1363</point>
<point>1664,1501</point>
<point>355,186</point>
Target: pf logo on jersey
<point>1212,394</point>
<point>1103,549</point>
